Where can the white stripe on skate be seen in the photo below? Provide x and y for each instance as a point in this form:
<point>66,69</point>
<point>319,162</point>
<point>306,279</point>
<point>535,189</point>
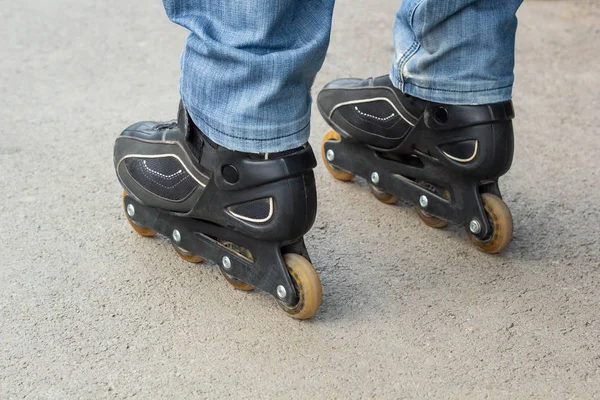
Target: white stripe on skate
<point>464,160</point>
<point>162,156</point>
<point>368,101</point>
<point>268,217</point>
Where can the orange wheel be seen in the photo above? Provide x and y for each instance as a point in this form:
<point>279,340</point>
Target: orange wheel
<point>236,283</point>
<point>186,255</point>
<point>427,218</point>
<point>383,196</point>
<point>502,225</point>
<point>338,174</point>
<point>308,286</point>
<point>142,230</point>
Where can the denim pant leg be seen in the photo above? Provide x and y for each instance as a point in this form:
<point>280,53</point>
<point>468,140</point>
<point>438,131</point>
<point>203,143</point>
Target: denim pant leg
<point>456,51</point>
<point>248,66</point>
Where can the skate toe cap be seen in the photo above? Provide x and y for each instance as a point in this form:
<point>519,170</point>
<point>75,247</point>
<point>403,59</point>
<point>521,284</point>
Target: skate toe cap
<point>333,93</point>
<point>343,83</point>
<point>150,130</point>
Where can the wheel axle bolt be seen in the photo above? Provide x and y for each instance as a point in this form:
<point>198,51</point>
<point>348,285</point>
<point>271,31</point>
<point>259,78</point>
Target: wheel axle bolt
<point>176,236</point>
<point>281,292</point>
<point>423,201</point>
<point>475,227</point>
<point>330,155</point>
<point>226,262</point>
<point>130,210</point>
<point>375,178</point>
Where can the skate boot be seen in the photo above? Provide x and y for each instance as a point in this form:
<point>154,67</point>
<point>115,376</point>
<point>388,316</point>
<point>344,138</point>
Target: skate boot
<point>246,213</point>
<point>444,159</point>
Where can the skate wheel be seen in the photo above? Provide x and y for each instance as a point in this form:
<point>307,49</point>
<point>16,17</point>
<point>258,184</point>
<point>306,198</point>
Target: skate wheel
<point>427,218</point>
<point>186,255</point>
<point>142,230</point>
<point>383,196</point>
<point>236,283</point>
<point>338,174</point>
<point>502,225</point>
<point>308,286</point>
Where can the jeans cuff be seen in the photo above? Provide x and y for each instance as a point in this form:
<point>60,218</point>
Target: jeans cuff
<point>254,139</point>
<point>454,95</point>
<point>468,97</point>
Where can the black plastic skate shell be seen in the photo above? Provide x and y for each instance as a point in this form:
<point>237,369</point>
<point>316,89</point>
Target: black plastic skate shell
<point>422,161</point>
<point>246,213</point>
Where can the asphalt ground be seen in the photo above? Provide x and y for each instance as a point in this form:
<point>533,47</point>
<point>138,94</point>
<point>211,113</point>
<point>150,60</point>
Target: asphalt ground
<point>88,309</point>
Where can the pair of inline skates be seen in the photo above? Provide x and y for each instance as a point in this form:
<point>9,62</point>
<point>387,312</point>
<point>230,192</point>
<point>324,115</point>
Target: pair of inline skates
<point>248,213</point>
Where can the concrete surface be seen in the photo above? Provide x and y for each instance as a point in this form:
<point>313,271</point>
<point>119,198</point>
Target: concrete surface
<point>90,310</point>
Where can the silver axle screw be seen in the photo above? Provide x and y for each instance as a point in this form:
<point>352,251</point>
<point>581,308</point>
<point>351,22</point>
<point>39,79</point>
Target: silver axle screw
<point>375,178</point>
<point>475,227</point>
<point>130,210</point>
<point>226,262</point>
<point>281,292</point>
<point>330,155</point>
<point>423,201</point>
<point>176,236</point>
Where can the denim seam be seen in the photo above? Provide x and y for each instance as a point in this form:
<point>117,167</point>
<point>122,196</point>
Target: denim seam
<point>460,91</point>
<point>252,139</point>
<point>412,49</point>
<point>412,13</point>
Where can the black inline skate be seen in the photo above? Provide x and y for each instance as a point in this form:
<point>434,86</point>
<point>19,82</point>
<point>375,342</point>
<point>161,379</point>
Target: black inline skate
<point>247,213</point>
<point>445,159</point>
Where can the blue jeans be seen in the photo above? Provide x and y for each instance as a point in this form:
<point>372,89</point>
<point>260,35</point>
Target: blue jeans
<point>248,66</point>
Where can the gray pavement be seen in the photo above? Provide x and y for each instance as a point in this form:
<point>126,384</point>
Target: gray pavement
<point>88,309</point>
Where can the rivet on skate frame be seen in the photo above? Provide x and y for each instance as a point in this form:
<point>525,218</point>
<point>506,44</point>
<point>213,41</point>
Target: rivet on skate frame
<point>423,201</point>
<point>176,236</point>
<point>226,262</point>
<point>330,155</point>
<point>130,210</point>
<point>375,178</point>
<point>475,227</point>
<point>281,292</point>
